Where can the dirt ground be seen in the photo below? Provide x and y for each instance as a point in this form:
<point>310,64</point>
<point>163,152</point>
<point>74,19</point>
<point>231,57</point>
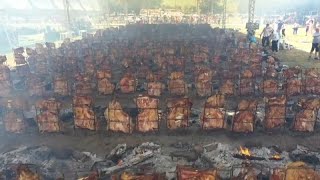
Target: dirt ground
<point>101,144</point>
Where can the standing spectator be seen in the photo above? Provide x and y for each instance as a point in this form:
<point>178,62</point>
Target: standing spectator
<point>309,26</point>
<point>275,41</point>
<point>283,30</point>
<point>266,36</point>
<point>295,28</point>
<point>315,44</point>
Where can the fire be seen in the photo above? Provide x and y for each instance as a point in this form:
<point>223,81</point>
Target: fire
<point>245,151</point>
<point>276,156</point>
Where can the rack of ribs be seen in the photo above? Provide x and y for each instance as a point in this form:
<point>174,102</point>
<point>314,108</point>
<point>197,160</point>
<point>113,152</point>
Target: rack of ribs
<point>155,88</point>
<point>204,83</point>
<point>212,116</point>
<point>294,87</point>
<point>148,119</point>
<point>60,86</point>
<point>227,88</point>
<point>244,119</point>
<point>128,83</point>
<point>188,173</point>
<point>269,87</point>
<point>295,171</point>
<point>84,116</point>
<point>118,120</point>
<point>305,121</point>
<point>14,122</point>
<point>177,85</point>
<point>179,113</point>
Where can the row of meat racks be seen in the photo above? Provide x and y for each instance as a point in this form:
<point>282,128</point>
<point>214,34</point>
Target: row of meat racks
<point>294,171</point>
<point>148,117</point>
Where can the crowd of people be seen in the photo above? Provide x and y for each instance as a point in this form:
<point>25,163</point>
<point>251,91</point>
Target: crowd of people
<point>272,34</point>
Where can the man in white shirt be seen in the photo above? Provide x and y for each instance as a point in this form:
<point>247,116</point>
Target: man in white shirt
<point>275,37</point>
<point>266,36</point>
<point>315,44</point>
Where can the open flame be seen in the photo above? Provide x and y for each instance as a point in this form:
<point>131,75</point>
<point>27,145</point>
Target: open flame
<point>276,156</point>
<point>245,151</point>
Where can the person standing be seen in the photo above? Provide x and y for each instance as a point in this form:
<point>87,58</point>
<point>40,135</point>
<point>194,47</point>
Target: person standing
<point>283,30</point>
<point>309,26</point>
<point>315,44</point>
<point>275,41</point>
<point>266,36</point>
<point>295,28</point>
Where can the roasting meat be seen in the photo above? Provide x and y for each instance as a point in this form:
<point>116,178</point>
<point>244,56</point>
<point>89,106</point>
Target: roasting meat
<point>247,74</point>
<point>105,86</point>
<point>243,122</point>
<point>246,87</point>
<point>212,118</point>
<point>14,123</point>
<point>250,105</point>
<point>179,113</point>
<point>148,119</point>
<point>131,176</point>
<point>83,88</point>
<point>203,84</point>
<point>312,73</point>
<point>155,88</point>
<point>227,88</point>
<point>19,59</point>
<point>24,173</point>
<point>295,171</point>
<point>82,100</point>
<point>292,72</point>
<point>271,72</point>
<point>178,87</point>
<point>48,122</point>
<point>256,69</point>
<point>269,86</point>
<point>176,75</point>
<point>280,101</point>
<point>271,60</point>
<point>294,87</point>
<point>310,104</point>
<point>50,105</point>
<point>128,84</point>
<point>305,121</point>
<point>216,101</point>
<point>92,176</point>
<point>312,85</point>
<point>60,86</point>
<point>35,86</point>
<point>84,117</point>
<point>154,77</point>
<point>101,74</point>
<point>188,173</point>
<point>118,120</point>
<point>275,116</point>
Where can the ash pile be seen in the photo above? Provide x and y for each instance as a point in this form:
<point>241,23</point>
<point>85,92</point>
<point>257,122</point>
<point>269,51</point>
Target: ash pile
<point>50,163</point>
<point>177,161</point>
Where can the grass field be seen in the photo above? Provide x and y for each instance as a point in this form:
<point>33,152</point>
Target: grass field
<point>299,56</point>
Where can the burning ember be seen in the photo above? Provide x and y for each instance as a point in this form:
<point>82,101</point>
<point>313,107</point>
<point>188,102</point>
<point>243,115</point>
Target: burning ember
<point>245,153</point>
<point>276,157</point>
